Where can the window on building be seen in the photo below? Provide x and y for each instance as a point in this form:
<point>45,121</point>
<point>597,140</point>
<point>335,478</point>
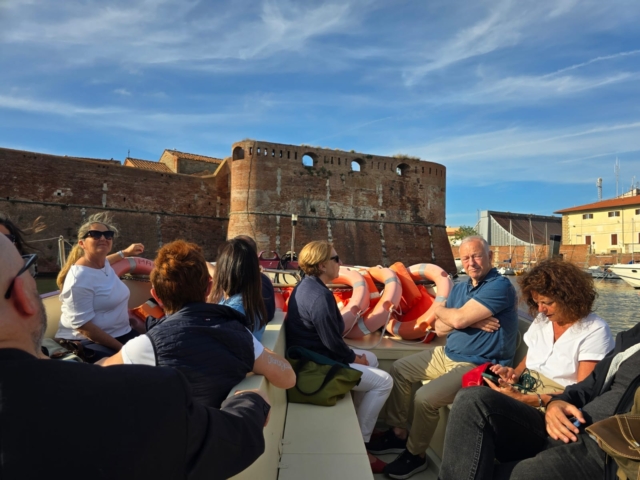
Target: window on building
<point>637,211</point>
<point>587,239</point>
<point>615,213</point>
<point>307,161</point>
<point>587,216</point>
<point>614,239</point>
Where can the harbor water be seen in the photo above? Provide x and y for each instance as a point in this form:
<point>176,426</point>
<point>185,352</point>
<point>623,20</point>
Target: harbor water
<point>617,302</point>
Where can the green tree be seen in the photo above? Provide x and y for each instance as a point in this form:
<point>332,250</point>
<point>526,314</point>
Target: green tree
<point>464,231</point>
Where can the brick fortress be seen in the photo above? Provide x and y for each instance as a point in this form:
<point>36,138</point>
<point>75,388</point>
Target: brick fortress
<point>376,210</point>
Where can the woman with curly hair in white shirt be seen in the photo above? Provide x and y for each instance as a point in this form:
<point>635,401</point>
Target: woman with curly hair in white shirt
<point>565,341</point>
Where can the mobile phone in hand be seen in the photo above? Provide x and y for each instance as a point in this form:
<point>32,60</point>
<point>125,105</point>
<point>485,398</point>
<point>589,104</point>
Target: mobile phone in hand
<point>489,376</point>
<point>575,420</point>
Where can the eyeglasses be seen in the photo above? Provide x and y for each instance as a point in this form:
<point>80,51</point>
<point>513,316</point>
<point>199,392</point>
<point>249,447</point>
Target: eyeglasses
<point>29,264</point>
<point>12,238</point>
<point>335,258</point>
<point>96,234</point>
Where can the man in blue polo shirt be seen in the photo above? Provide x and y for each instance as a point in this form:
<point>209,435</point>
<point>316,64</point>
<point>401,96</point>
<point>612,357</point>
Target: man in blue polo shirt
<point>480,320</point>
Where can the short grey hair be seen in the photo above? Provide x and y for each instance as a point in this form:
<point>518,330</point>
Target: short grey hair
<point>477,238</point>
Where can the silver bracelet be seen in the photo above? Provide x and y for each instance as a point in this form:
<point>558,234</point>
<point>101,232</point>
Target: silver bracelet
<point>440,299</point>
<point>121,254</point>
<point>539,400</point>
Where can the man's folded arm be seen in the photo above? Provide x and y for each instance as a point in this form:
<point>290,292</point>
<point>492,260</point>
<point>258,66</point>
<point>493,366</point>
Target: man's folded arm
<point>224,442</point>
<point>462,317</point>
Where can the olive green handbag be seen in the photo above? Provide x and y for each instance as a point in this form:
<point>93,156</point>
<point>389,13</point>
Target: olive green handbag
<point>619,437</point>
<point>319,379</point>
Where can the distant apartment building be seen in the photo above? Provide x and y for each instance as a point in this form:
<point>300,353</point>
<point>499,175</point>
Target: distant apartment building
<point>607,226</point>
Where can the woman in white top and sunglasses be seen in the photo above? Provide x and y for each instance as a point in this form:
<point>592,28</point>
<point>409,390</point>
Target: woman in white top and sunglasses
<point>94,300</point>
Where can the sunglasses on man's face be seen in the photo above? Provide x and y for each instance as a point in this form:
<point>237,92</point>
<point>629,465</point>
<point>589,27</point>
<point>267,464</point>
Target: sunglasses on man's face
<point>96,234</point>
<point>29,265</point>
<point>335,258</point>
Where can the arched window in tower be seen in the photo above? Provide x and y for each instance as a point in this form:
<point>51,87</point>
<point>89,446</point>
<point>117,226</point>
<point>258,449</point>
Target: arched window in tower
<point>357,165</point>
<point>403,169</point>
<point>238,153</point>
<point>307,160</point>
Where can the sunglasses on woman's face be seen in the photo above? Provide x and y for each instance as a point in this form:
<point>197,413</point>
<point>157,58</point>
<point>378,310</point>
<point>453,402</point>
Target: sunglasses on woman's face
<point>96,234</point>
<point>12,238</point>
<point>335,258</point>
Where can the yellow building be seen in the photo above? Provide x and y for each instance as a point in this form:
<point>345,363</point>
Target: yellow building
<point>608,226</point>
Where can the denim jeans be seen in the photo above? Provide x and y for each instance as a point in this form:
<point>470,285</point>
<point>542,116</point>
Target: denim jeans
<point>485,425</point>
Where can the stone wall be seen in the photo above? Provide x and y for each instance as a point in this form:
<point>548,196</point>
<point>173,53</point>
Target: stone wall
<point>149,207</point>
<point>374,215</point>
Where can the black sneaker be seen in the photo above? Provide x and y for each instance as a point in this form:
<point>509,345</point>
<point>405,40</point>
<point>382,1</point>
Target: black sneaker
<point>405,466</point>
<point>387,443</point>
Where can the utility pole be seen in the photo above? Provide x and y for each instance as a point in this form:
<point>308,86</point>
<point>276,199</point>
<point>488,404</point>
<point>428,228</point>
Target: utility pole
<point>616,170</point>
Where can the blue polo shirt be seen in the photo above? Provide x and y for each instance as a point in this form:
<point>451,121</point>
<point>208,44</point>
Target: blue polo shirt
<point>473,345</point>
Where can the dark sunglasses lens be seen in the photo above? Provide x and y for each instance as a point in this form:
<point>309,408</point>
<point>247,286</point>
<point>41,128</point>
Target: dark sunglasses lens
<point>96,234</point>
<point>12,238</point>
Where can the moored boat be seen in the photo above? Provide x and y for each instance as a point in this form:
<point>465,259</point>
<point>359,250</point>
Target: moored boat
<point>629,272</point>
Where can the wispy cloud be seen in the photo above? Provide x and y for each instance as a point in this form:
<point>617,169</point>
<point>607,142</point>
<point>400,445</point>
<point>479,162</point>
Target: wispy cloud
<point>557,156</point>
<point>185,34</point>
<point>122,91</point>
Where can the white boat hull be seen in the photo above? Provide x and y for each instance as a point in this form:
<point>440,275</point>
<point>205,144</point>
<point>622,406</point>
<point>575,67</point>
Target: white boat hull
<point>630,273</point>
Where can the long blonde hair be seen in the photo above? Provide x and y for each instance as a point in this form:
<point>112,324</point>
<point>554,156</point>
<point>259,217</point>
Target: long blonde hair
<point>77,252</point>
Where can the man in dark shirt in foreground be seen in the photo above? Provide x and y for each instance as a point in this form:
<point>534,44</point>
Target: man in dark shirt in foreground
<point>125,422</point>
<point>485,424</point>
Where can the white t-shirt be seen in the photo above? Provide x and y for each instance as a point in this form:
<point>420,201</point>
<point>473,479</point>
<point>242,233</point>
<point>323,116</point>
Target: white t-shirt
<point>139,351</point>
<point>588,339</point>
<point>96,295</point>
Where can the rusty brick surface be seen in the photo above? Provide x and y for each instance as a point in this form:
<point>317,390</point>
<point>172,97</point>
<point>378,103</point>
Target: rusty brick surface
<point>149,207</point>
<point>373,216</point>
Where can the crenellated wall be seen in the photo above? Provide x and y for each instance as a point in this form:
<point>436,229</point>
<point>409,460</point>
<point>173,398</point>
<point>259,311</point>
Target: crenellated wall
<point>377,215</point>
<point>149,207</point>
<point>377,210</point>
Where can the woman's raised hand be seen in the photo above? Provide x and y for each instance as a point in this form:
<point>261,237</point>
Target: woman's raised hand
<point>133,250</point>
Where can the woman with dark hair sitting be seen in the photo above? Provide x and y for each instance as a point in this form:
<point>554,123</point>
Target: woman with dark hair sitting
<point>210,344</point>
<point>565,341</point>
<point>237,283</point>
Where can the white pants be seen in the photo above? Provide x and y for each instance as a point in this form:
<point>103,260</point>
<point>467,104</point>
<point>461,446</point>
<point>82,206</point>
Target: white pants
<point>369,396</point>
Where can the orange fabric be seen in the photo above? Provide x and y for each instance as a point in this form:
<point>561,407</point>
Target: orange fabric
<point>410,292</point>
<point>342,297</point>
<point>286,294</point>
<point>148,309</point>
<point>420,307</point>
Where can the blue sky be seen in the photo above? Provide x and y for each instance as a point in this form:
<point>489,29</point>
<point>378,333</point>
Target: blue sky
<point>526,103</point>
